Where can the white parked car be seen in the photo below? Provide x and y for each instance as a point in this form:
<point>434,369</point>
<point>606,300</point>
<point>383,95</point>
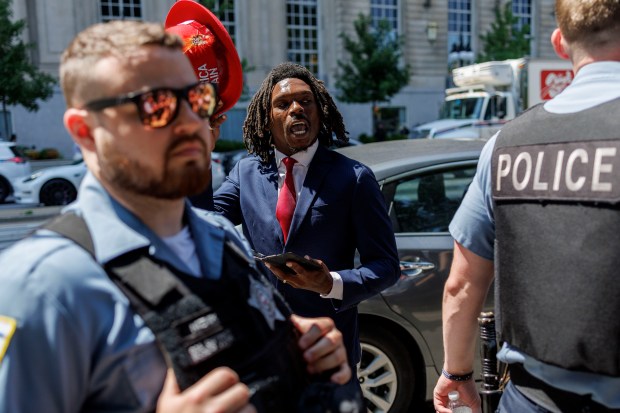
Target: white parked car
<point>12,165</point>
<point>59,185</point>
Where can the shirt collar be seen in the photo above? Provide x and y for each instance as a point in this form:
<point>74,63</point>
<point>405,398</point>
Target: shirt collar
<point>302,157</point>
<point>116,231</point>
<point>108,221</point>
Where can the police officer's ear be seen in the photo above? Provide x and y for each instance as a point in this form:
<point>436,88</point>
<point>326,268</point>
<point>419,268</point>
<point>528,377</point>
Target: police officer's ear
<point>75,121</point>
<point>559,44</point>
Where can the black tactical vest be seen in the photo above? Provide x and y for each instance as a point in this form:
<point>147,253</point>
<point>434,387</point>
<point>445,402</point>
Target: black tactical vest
<point>239,321</point>
<point>556,188</point>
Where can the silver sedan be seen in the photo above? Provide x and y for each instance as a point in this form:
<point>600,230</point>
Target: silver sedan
<point>423,181</point>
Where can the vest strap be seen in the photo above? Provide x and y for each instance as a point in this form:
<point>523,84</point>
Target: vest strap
<point>245,325</point>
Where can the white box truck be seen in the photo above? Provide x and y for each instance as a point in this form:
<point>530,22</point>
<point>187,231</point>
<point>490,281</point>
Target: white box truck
<point>489,94</point>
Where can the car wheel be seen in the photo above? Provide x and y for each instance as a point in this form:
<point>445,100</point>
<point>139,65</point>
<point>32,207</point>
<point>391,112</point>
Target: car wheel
<point>386,371</point>
<point>57,192</point>
<point>5,189</point>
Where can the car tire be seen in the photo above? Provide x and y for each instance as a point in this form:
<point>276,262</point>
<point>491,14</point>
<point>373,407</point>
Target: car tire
<point>5,189</point>
<point>57,192</point>
<point>386,371</point>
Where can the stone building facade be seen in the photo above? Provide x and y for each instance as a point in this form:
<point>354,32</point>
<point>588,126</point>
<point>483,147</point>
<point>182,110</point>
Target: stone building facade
<point>268,32</point>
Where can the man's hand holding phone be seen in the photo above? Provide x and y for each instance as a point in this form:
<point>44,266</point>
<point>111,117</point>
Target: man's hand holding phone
<point>280,260</point>
<point>299,272</point>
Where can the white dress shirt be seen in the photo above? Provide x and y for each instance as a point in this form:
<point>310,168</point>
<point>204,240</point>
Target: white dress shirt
<point>300,170</point>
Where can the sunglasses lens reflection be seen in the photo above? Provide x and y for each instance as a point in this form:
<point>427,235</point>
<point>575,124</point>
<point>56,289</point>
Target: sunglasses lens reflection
<point>158,108</point>
<point>202,99</point>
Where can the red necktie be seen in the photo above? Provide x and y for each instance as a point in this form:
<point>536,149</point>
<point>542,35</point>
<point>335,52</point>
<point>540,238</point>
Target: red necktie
<point>287,198</point>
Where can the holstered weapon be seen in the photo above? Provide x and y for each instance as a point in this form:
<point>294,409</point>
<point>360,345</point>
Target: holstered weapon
<point>490,391</point>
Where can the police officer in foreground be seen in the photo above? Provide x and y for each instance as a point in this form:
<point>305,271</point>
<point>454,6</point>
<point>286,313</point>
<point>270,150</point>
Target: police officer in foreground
<point>131,279</point>
<point>544,212</point>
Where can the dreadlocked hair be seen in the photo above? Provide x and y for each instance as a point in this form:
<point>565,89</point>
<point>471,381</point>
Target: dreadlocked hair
<point>256,134</point>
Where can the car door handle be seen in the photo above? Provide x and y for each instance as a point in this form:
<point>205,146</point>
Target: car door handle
<point>415,268</point>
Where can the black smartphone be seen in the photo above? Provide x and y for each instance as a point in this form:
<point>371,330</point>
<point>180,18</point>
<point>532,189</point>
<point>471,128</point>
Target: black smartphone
<point>280,260</point>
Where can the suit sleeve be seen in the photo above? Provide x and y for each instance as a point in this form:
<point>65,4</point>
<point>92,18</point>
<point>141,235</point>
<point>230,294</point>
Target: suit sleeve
<point>226,199</point>
<point>375,242</point>
<point>203,200</point>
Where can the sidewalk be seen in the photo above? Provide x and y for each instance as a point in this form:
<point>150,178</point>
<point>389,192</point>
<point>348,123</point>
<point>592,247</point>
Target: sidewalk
<point>48,163</point>
<point>28,214</point>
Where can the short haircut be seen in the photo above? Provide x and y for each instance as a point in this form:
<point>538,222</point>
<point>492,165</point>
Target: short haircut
<point>256,134</point>
<point>116,38</point>
<point>589,23</point>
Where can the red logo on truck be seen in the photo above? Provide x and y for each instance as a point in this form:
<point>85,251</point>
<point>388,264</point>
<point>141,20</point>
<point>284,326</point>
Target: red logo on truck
<point>552,82</point>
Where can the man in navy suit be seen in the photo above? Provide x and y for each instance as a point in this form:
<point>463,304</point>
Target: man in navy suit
<point>335,204</point>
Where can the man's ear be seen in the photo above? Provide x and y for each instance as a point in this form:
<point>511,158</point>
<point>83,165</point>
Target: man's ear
<point>75,121</point>
<point>559,45</point>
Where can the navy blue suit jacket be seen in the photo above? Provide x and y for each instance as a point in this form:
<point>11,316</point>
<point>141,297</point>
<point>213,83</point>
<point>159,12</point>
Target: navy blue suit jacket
<point>340,209</point>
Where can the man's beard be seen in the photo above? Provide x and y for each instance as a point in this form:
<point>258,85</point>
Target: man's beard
<point>131,175</point>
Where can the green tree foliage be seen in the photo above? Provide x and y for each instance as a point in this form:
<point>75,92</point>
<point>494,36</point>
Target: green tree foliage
<point>21,83</point>
<point>218,7</point>
<point>246,68</point>
<point>505,40</point>
<point>375,72</point>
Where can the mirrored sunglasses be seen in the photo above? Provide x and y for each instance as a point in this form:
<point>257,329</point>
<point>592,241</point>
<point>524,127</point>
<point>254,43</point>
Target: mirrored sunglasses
<point>159,107</point>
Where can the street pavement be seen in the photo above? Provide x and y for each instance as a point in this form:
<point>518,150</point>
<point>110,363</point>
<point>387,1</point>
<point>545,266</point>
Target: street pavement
<point>17,222</point>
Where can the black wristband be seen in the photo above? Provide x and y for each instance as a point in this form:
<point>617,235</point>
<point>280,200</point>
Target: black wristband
<point>456,377</point>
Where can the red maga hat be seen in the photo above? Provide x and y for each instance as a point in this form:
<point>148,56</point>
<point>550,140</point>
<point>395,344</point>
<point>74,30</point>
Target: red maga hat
<point>209,48</point>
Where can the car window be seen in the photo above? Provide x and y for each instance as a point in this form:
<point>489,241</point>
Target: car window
<point>6,152</point>
<point>427,203</point>
<point>11,151</point>
<point>496,108</point>
<point>16,151</point>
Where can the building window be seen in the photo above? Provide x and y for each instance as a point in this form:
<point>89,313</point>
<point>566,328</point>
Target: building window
<point>121,10</point>
<point>459,33</point>
<point>303,35</point>
<point>225,11</point>
<point>384,10</point>
<point>522,10</point>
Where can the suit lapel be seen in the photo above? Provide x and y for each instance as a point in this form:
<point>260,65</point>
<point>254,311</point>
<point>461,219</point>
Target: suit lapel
<point>317,172</point>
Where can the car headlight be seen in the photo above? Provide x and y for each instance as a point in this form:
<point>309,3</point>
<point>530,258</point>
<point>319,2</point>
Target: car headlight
<point>33,177</point>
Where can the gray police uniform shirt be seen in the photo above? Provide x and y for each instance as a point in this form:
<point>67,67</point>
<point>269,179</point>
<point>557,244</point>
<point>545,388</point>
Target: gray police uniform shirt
<point>69,340</point>
<point>473,225</point>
